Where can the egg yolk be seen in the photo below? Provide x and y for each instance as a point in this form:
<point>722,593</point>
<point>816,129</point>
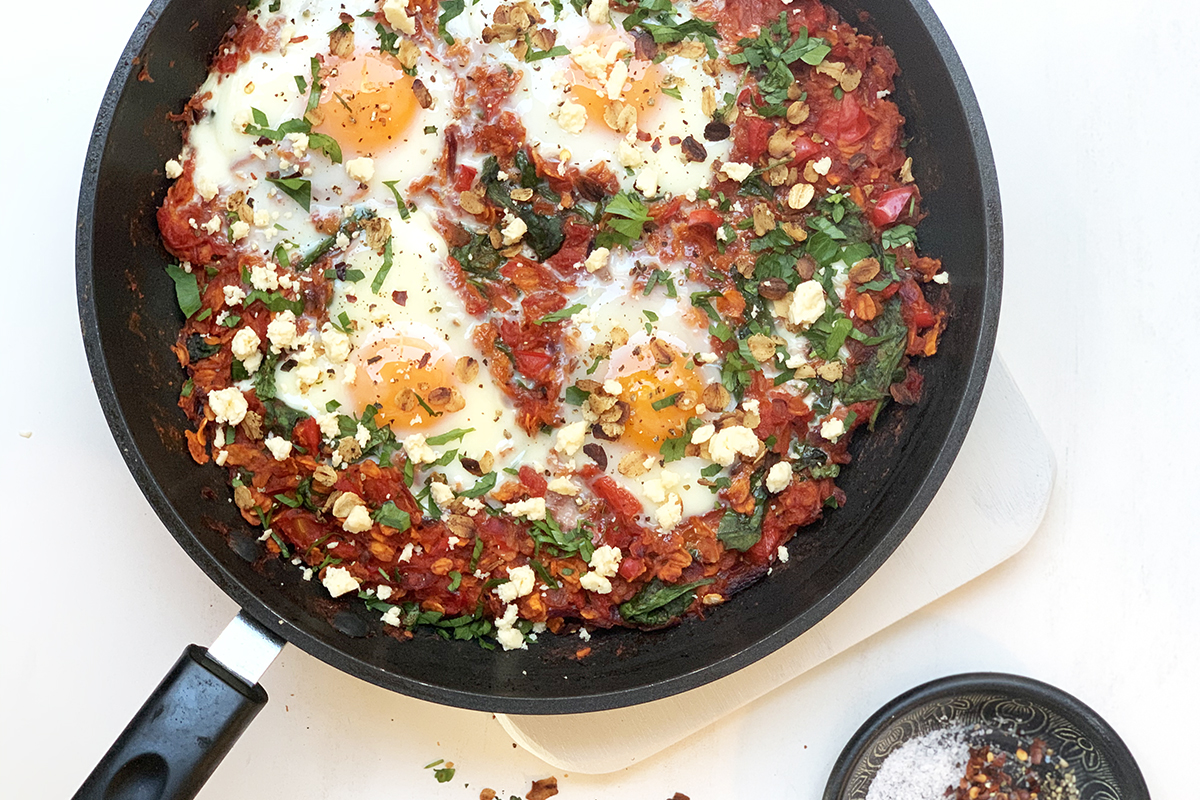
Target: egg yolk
<point>652,394</point>
<point>591,93</point>
<point>405,375</point>
<point>368,102</point>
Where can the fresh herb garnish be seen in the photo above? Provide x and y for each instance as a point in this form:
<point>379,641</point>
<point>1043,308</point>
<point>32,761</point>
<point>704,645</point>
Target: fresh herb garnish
<point>622,222</point>
<point>384,269</point>
<point>299,189</point>
<point>658,603</point>
<point>561,314</point>
<point>481,487</point>
<point>450,10</point>
<point>388,514</point>
<point>187,290</point>
<point>448,436</point>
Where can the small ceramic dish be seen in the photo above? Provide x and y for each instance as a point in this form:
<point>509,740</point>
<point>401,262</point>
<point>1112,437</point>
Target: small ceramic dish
<point>1084,758</point>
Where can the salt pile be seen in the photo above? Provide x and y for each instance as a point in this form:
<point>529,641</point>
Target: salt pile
<point>922,768</point>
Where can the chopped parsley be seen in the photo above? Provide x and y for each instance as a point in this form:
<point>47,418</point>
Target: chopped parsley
<point>187,290</point>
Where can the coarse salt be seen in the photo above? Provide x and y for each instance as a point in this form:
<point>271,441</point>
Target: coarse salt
<point>922,768</point>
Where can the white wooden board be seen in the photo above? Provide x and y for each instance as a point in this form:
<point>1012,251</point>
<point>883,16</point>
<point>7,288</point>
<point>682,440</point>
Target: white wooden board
<point>987,509</point>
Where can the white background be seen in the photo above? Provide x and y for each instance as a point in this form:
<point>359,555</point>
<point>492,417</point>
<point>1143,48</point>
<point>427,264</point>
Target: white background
<point>1093,112</point>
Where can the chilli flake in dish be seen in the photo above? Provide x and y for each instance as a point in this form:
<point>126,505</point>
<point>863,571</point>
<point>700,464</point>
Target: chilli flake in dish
<point>508,317</point>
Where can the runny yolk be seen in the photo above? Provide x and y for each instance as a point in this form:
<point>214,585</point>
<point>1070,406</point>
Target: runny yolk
<point>648,427</point>
<point>591,92</point>
<point>368,103</point>
<point>402,374</point>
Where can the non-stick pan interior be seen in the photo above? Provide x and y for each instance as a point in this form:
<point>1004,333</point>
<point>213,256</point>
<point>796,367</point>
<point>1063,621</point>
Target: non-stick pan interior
<point>130,319</point>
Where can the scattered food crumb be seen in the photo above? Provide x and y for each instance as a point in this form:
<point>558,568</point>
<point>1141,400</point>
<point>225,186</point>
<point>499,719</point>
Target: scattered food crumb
<point>543,789</point>
<point>25,434</point>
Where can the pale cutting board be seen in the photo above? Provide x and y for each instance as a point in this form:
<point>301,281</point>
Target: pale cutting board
<point>989,506</point>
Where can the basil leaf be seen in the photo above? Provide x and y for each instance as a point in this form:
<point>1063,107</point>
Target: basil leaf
<point>381,275</point>
<point>658,603</point>
<point>448,436</point>
<point>742,531</point>
<point>873,379</point>
<point>299,189</point>
<point>560,315</point>
<point>187,289</point>
<point>388,514</point>
<point>481,487</point>
<point>450,10</point>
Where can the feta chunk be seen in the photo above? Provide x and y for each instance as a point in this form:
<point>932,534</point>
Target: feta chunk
<point>228,405</point>
<point>173,169</point>
<point>282,330</point>
<point>598,259</point>
<point>570,438</point>
<point>418,451</point>
<point>264,278</point>
<point>245,344</point>
<point>361,169</point>
<point>520,583</point>
<point>339,581</point>
<point>396,14</point>
<point>595,582</point>
<point>233,295</point>
<point>807,304</point>
<point>442,494</point>
<point>778,477</point>
<point>669,513</point>
<point>532,509</point>
<point>336,343</point>
<point>832,429</point>
<point>727,443</point>
<point>280,448</point>
<point>358,520</point>
<point>736,170</point>
<point>572,117</point>
<point>563,486</point>
<point>514,229</point>
<point>605,560</point>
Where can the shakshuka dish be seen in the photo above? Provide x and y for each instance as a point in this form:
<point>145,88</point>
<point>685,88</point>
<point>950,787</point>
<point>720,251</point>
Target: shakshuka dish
<point>551,315</point>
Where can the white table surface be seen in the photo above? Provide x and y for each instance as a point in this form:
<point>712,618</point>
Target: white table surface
<point>1092,109</point>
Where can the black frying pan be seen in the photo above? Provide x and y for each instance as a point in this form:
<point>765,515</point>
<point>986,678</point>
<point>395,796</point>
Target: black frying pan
<point>130,318</point>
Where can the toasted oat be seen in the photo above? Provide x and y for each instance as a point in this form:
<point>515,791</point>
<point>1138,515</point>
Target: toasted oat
<point>466,369</point>
<point>341,42</point>
<point>864,271</point>
<point>252,425</point>
<point>377,232</point>
<point>325,475</point>
<point>633,464</point>
<point>349,449</point>
<point>781,143</point>
<point>764,219</point>
<point>762,347</point>
<point>830,371</point>
<point>795,230</point>
<point>716,397</point>
<point>800,195</point>
<point>798,112</point>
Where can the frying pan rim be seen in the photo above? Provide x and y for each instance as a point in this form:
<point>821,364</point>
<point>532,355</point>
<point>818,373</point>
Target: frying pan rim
<point>249,601</point>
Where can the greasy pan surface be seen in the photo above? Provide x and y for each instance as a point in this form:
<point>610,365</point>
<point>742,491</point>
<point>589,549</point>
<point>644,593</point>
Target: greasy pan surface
<point>130,318</point>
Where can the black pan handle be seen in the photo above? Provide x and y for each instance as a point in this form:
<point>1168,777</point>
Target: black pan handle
<point>179,736</point>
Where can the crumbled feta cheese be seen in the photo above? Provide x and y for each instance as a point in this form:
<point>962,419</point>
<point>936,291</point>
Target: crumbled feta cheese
<point>406,554</point>
<point>245,344</point>
<point>419,452</point>
<point>345,503</point>
<point>726,443</point>
<point>736,170</point>
<point>441,493</point>
<point>362,436</point>
<point>563,486</point>
<point>589,60</point>
<point>669,513</point>
<point>306,574</point>
<point>615,85</point>
<point>383,592</point>
<point>779,476</point>
<point>532,509</point>
<point>280,448</point>
<point>239,230</point>
<point>228,405</point>
<point>572,117</point>
<point>282,330</point>
<point>605,560</point>
<point>647,181</point>
<point>329,424</point>
<point>707,358</point>
<point>174,169</point>
<point>598,260</point>
<point>233,295</point>
<point>807,304</point>
<point>782,554</point>
<point>473,505</point>
<point>361,169</point>
<point>514,228</point>
<point>750,406</point>
<point>654,490</point>
<point>942,278</point>
<point>629,155</point>
<point>584,635</point>
<point>595,582</point>
<point>570,438</point>
<point>613,387</point>
<point>219,459</point>
<point>213,225</point>
<point>299,142</point>
<point>703,433</point>
<point>264,277</point>
<point>339,581</point>
<point>336,343</point>
<point>396,14</point>
<point>358,520</point>
<point>510,637</point>
<point>391,616</point>
<point>822,166</point>
<point>206,186</point>
<point>520,583</point>
<point>832,429</point>
<point>597,11</point>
